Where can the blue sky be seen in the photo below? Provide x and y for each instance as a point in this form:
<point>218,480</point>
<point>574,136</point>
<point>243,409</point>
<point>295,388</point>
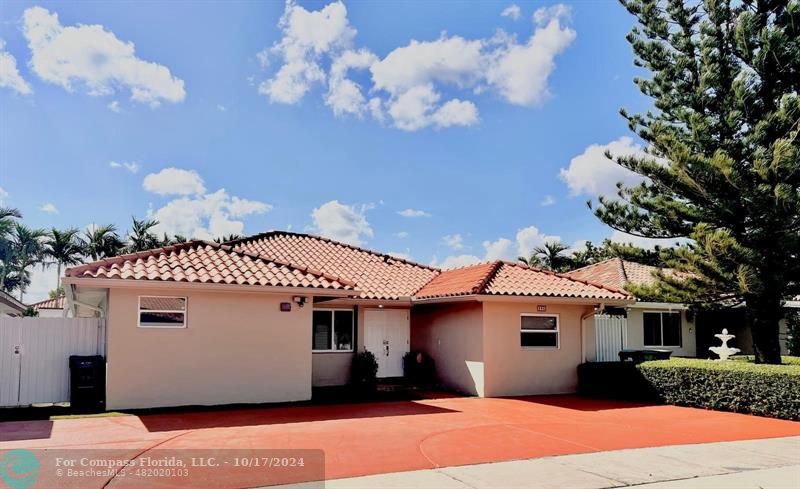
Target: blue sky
<point>487,129</point>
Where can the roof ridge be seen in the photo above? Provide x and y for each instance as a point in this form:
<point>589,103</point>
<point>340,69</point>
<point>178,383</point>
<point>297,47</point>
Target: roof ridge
<point>490,274</point>
<point>275,232</point>
<point>582,281</point>
<point>592,265</point>
<point>312,271</point>
<point>622,271</point>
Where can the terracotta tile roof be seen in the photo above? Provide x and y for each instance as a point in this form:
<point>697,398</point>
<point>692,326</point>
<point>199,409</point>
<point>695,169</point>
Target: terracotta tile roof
<point>458,281</point>
<point>375,275</point>
<point>505,278</point>
<point>616,272</point>
<point>205,262</point>
<point>56,303</point>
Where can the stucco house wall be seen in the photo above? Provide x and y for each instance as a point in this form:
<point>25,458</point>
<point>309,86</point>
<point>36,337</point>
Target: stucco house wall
<point>688,346</point>
<point>515,370</point>
<point>237,348</point>
<point>452,334</point>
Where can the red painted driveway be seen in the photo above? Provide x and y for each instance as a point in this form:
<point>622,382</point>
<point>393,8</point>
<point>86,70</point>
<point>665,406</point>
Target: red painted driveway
<point>361,439</point>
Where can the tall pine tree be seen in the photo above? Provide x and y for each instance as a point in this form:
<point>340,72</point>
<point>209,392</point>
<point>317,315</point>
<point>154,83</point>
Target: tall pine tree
<point>724,152</point>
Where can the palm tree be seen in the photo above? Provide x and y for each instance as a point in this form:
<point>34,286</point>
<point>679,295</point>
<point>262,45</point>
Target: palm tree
<point>102,242</point>
<point>550,256</point>
<point>7,220</point>
<point>27,250</point>
<point>64,248</point>
<point>141,236</point>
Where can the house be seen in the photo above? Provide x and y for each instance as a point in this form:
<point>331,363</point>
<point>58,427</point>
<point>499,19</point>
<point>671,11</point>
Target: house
<point>10,306</point>
<point>664,325</point>
<point>268,317</point>
<point>50,308</point>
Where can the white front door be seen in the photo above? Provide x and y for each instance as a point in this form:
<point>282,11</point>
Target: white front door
<point>387,336</point>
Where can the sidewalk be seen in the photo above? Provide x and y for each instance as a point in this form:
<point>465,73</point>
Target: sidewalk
<point>768,464</point>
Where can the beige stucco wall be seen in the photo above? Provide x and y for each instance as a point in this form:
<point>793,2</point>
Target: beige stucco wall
<point>452,334</point>
<point>688,346</point>
<point>513,370</point>
<point>238,348</point>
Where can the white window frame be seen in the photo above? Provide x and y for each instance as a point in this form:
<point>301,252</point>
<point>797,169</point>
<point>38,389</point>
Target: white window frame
<point>661,315</point>
<point>333,330</point>
<point>185,312</point>
<point>557,331</point>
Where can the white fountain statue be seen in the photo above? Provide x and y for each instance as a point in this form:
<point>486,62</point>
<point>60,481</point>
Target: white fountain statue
<point>724,351</point>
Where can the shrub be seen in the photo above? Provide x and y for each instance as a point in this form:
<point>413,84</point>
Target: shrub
<point>738,386</point>
<point>418,368</point>
<point>365,370</point>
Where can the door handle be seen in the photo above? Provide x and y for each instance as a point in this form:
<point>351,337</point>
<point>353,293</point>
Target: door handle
<point>386,348</point>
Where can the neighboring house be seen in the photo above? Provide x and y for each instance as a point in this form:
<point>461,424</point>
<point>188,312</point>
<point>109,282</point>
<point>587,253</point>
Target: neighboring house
<point>266,318</point>
<point>10,306</point>
<point>50,308</point>
<point>663,324</point>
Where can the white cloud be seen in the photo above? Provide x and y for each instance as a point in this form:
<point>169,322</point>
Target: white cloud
<point>453,241</point>
<point>43,280</point>
<point>114,107</point>
<point>342,222</point>
<point>3,195</point>
<point>9,74</point>
<point>413,213</point>
<point>344,95</point>
<point>502,248</point>
<point>591,173</point>
<point>222,108</point>
<point>456,113</point>
<point>547,201</point>
<point>401,234</point>
<point>409,83</point>
<point>403,255</point>
<point>457,261</point>
<point>513,11</point>
<point>306,37</point>
<point>520,71</point>
<point>49,208</point>
<point>174,181</point>
<point>206,216</point>
<point>94,58</point>
<point>130,166</point>
<point>646,243</point>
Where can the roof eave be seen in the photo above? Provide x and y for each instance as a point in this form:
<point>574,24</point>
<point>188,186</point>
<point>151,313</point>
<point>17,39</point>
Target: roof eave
<point>269,289</point>
<point>543,299</point>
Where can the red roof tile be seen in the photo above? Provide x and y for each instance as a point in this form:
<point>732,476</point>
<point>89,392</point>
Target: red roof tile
<point>204,262</point>
<point>56,303</point>
<point>375,275</point>
<point>616,272</point>
<point>505,278</point>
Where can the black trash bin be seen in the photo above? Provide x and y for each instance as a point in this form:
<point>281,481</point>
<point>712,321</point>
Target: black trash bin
<point>87,387</point>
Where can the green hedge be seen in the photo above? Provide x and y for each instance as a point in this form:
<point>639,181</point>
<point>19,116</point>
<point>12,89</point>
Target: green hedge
<point>740,386</point>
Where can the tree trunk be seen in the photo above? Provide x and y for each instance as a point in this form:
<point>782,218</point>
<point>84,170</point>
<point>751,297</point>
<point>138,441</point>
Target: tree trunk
<point>766,316</point>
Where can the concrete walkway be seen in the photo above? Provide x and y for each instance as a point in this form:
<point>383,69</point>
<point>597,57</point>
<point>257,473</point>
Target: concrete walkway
<point>771,463</point>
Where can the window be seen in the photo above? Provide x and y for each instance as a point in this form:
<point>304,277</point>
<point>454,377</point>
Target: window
<point>332,330</point>
<point>539,331</point>
<point>662,329</point>
<point>162,312</point>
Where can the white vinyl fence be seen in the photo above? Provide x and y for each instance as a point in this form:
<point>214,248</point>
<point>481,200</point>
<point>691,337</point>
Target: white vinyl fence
<point>611,336</point>
<point>34,356</point>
